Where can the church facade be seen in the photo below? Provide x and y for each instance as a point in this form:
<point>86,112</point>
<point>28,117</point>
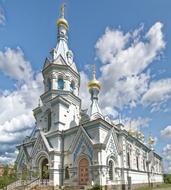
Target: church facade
<point>71,146</point>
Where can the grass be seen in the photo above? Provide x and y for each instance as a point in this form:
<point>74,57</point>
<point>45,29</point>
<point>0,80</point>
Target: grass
<point>164,185</point>
<point>6,180</point>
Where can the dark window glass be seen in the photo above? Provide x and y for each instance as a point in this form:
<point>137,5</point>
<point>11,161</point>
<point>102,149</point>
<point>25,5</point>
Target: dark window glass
<point>49,84</point>
<point>128,160</point>
<point>60,84</point>
<point>144,165</point>
<point>137,163</point>
<point>72,86</point>
<point>111,170</point>
<point>67,173</point>
<point>49,120</point>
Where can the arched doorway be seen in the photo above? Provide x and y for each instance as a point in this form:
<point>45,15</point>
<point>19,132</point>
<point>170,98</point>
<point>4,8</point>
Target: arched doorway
<point>44,169</point>
<point>83,171</point>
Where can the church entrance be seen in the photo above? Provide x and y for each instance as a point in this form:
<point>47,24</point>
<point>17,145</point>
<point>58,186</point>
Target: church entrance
<point>44,169</point>
<point>83,171</point>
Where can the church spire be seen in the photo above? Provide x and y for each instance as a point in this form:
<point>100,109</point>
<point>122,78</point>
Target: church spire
<point>94,89</point>
<point>62,50</point>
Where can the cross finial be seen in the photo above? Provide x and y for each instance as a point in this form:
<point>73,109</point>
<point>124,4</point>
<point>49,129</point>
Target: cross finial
<point>62,10</point>
<point>94,71</point>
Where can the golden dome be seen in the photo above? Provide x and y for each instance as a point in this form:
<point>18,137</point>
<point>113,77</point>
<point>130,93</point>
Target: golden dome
<point>64,22</point>
<point>151,140</point>
<point>132,132</point>
<point>94,83</point>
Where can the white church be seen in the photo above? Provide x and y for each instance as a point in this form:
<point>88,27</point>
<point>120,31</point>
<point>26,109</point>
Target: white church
<point>73,147</point>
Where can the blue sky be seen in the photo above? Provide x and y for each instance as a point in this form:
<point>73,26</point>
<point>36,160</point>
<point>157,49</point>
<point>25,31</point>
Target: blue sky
<point>104,33</point>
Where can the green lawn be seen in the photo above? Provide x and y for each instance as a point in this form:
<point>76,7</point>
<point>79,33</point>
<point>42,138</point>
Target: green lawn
<point>159,186</point>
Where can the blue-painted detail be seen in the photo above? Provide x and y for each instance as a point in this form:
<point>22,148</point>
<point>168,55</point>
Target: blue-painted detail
<point>88,146</point>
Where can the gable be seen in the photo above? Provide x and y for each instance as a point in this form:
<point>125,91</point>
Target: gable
<point>60,60</point>
<point>81,145</point>
<point>111,146</point>
<point>41,144</point>
<point>21,158</point>
<point>112,143</point>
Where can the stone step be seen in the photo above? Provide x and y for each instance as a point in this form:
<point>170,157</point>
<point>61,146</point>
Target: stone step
<point>19,188</point>
<point>42,188</point>
<point>79,187</point>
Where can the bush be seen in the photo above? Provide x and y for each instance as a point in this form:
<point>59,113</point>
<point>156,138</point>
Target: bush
<point>96,187</point>
<point>167,178</point>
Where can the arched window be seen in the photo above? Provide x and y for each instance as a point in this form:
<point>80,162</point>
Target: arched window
<point>67,173</point>
<point>144,164</point>
<point>49,84</point>
<point>137,160</point>
<point>128,160</point>
<point>60,84</point>
<point>49,121</point>
<point>72,86</point>
<point>111,170</point>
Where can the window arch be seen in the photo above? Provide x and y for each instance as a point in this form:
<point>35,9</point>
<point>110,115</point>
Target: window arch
<point>111,174</point>
<point>49,84</point>
<point>60,83</point>
<point>72,86</point>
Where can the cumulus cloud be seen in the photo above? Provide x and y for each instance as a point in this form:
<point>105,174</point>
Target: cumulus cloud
<point>135,123</point>
<point>14,65</point>
<point>84,94</point>
<point>166,132</point>
<point>157,94</point>
<point>167,156</point>
<point>16,117</point>
<point>2,17</point>
<point>125,74</point>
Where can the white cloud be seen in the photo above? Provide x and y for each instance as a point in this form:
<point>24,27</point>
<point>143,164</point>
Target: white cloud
<point>125,58</point>
<point>84,94</point>
<point>166,132</point>
<point>125,76</point>
<point>158,93</point>
<point>16,117</point>
<point>167,157</point>
<point>112,42</point>
<point>135,123</point>
<point>14,65</point>
<point>2,17</point>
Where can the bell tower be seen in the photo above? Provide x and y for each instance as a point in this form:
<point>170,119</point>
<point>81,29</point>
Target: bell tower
<point>60,101</point>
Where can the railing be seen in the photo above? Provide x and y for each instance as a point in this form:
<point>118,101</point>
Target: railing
<point>39,182</point>
<point>13,185</point>
<point>28,184</point>
<point>32,184</point>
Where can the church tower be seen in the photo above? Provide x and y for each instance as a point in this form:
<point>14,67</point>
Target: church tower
<point>60,102</point>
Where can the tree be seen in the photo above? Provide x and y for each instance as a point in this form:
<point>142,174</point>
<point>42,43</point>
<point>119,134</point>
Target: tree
<point>167,178</point>
<point>6,170</point>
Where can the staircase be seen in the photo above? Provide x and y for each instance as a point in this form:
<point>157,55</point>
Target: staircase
<point>78,187</point>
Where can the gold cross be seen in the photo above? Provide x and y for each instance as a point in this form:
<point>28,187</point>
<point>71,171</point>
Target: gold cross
<point>62,10</point>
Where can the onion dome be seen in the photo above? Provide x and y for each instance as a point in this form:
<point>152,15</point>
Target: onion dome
<point>62,21</point>
<point>132,132</point>
<point>151,140</point>
<point>94,83</point>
